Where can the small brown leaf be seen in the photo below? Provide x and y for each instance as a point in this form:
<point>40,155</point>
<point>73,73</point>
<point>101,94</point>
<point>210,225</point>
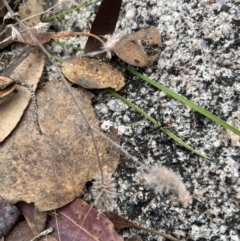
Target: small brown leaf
<point>76,221</point>
<point>41,37</point>
<point>21,232</point>
<point>40,219</point>
<point>92,74</point>
<point>121,223</point>
<point>104,23</point>
<point>140,48</point>
<point>7,85</point>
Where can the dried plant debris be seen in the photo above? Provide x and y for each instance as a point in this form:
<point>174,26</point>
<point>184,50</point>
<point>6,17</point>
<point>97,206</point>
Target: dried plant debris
<point>122,223</point>
<point>104,23</point>
<point>13,105</point>
<point>140,48</point>
<point>3,9</point>
<point>76,221</point>
<point>35,219</point>
<point>21,232</point>
<point>162,180</point>
<point>50,170</point>
<point>40,219</point>
<point>104,192</point>
<point>92,74</point>
<point>7,85</point>
<point>26,11</point>
<point>30,8</point>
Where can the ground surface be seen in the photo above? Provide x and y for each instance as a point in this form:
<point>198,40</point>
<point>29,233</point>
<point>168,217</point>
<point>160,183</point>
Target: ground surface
<point>200,59</point>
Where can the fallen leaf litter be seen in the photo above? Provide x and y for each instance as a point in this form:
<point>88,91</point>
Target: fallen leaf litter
<point>56,165</point>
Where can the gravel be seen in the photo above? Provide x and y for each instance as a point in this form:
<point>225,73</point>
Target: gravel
<point>200,59</point>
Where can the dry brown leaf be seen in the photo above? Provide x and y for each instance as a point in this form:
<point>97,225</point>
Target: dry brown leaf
<point>13,105</point>
<point>21,232</point>
<point>76,221</point>
<point>92,74</point>
<point>40,219</point>
<point>30,70</point>
<point>42,37</point>
<point>3,10</point>
<point>7,86</point>
<point>29,8</point>
<point>121,223</point>
<point>140,48</point>
<point>50,170</point>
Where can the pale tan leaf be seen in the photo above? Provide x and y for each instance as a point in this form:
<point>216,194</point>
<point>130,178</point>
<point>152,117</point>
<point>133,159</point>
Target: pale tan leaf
<point>13,105</point>
<point>29,8</point>
<point>140,48</point>
<point>7,86</point>
<point>92,74</point>
<point>50,170</point>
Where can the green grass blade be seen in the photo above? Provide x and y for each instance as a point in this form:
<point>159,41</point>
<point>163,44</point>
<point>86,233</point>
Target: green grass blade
<point>156,123</point>
<point>185,101</point>
<point>70,10</point>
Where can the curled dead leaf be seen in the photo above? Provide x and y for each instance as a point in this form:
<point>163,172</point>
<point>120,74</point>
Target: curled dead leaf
<point>7,85</point>
<point>13,105</point>
<point>140,48</point>
<point>92,74</point>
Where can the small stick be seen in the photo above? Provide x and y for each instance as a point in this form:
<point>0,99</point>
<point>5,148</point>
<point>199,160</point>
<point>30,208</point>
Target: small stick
<point>71,34</point>
<point>42,234</point>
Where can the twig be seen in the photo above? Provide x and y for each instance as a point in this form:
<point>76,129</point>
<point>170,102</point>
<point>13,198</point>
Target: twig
<point>42,234</point>
<point>55,214</point>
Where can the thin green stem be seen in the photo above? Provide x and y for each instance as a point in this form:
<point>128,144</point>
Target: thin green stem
<point>156,123</point>
<point>70,10</point>
<point>185,101</point>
